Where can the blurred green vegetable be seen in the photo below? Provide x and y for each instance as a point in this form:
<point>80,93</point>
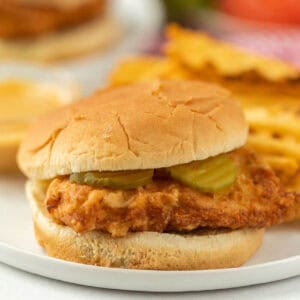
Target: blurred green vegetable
<point>181,11</point>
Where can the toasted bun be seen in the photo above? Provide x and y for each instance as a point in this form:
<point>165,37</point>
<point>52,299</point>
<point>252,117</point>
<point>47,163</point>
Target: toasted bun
<point>140,126</point>
<point>144,250</point>
<point>85,38</point>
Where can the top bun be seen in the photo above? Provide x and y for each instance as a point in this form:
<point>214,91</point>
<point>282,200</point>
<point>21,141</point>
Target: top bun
<point>139,126</point>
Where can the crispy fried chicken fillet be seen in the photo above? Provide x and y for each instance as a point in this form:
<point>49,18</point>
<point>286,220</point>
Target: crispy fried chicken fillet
<point>255,200</point>
<point>20,20</point>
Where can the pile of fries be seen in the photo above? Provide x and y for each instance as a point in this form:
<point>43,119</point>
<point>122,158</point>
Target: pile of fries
<point>268,89</point>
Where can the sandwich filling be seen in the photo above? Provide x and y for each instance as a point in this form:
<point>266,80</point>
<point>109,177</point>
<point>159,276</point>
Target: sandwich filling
<point>176,199</point>
<point>21,20</point>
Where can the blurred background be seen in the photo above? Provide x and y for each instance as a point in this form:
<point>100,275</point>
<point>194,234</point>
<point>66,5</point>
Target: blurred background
<point>88,36</point>
<point>270,27</point>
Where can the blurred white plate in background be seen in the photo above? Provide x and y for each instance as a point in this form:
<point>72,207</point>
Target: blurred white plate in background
<point>141,21</point>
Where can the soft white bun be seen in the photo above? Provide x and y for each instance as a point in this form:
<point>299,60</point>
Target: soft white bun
<point>95,35</point>
<point>140,126</point>
<point>144,250</point>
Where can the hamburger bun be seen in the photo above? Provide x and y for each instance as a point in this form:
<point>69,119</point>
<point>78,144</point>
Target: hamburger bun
<point>143,250</point>
<point>140,126</point>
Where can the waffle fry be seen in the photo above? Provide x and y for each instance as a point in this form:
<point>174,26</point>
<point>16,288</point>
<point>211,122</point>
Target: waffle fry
<point>283,164</point>
<point>275,133</point>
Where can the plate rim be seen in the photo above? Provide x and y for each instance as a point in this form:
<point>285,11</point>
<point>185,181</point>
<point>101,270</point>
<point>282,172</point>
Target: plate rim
<point>249,275</point>
<point>272,263</point>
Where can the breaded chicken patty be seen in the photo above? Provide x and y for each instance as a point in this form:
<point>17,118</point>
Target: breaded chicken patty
<point>256,199</point>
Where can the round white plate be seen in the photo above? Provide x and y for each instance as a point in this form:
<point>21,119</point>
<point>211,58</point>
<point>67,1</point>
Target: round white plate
<point>277,259</point>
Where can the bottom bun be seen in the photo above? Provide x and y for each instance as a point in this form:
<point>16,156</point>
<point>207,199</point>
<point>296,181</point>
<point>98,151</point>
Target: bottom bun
<point>141,250</point>
<point>89,37</point>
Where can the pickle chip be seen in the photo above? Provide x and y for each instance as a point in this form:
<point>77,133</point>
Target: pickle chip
<point>115,180</point>
<point>211,175</point>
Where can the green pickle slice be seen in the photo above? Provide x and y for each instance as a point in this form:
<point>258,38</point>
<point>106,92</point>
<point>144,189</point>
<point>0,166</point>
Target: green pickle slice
<point>115,180</point>
<point>211,175</point>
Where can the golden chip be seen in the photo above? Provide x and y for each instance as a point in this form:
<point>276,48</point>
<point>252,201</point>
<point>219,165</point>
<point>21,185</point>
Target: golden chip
<point>198,51</point>
<point>147,68</point>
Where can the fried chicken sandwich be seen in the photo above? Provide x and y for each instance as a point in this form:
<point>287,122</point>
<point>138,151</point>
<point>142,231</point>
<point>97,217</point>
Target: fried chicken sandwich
<point>51,30</point>
<point>150,176</point>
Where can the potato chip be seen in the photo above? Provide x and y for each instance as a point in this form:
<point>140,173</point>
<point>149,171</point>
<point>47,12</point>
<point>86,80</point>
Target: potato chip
<point>198,51</point>
<point>146,68</point>
<point>133,69</point>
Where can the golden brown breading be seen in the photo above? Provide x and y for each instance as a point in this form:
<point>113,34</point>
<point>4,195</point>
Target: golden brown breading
<point>23,21</point>
<point>256,199</point>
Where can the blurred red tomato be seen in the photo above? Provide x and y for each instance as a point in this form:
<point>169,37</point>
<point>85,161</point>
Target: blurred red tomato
<point>276,11</point>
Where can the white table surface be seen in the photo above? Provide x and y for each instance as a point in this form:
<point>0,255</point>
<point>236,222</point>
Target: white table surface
<point>15,285</point>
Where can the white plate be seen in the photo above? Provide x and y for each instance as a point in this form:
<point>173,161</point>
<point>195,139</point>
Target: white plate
<point>277,259</point>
